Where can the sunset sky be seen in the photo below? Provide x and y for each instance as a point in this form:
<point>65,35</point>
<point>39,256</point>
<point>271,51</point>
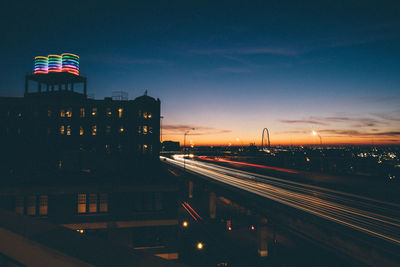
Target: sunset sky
<point>227,68</point>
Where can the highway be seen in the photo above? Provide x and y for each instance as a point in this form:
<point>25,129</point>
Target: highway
<point>376,218</point>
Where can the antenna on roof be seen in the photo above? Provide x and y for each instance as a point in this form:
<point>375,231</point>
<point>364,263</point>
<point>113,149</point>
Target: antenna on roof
<point>145,92</point>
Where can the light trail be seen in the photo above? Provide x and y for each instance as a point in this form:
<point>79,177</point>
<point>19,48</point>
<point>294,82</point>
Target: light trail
<point>377,218</point>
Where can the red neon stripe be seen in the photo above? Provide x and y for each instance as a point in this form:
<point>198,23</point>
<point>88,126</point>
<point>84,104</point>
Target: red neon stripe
<point>193,210</point>
<point>189,212</point>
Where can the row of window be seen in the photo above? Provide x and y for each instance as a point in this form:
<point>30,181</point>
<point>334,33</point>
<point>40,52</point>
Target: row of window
<point>67,113</point>
<point>32,205</point>
<point>92,203</point>
<point>67,130</point>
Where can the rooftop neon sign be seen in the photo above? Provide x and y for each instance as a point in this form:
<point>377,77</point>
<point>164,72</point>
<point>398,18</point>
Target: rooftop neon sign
<point>57,63</point>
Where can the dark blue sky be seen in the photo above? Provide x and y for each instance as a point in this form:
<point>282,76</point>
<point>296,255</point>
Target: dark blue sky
<point>228,68</point>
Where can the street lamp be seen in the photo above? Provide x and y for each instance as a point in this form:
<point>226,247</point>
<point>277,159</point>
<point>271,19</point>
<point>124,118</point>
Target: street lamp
<point>317,134</point>
<point>184,147</point>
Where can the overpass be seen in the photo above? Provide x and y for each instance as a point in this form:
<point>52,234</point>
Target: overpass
<point>370,221</point>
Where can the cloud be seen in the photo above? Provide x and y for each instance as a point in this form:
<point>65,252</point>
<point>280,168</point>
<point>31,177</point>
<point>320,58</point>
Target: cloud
<point>303,122</point>
<point>180,129</point>
<point>116,59</point>
<point>233,70</point>
<point>352,133</point>
<point>247,51</point>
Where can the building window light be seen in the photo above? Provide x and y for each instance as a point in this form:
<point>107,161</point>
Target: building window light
<point>144,129</point>
<point>108,112</point>
<point>103,202</point>
<point>31,210</point>
<point>68,113</point>
<point>81,131</point>
<point>149,115</point>
<point>94,112</point>
<point>139,129</point>
<point>81,203</point>
<point>121,129</point>
<point>120,111</point>
<point>68,129</point>
<point>108,129</point>
<point>145,115</point>
<point>92,203</point>
<point>62,113</point>
<point>62,129</point>
<point>43,205</point>
<point>82,112</point>
<point>94,129</point>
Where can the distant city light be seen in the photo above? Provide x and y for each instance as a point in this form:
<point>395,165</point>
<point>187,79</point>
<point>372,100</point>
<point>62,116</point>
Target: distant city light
<point>185,224</point>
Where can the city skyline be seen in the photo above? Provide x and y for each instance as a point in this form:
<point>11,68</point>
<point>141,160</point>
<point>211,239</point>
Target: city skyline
<point>229,69</point>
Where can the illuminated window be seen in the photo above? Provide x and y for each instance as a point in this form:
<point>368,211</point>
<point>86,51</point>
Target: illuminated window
<point>68,113</point>
<point>81,132</point>
<point>19,114</point>
<point>140,130</point>
<point>49,113</point>
<point>43,205</point>
<point>145,115</point>
<point>108,129</point>
<point>68,129</point>
<point>94,129</point>
<point>149,115</point>
<point>145,148</point>
<point>145,129</point>
<point>92,202</point>
<point>82,112</point>
<point>150,129</point>
<point>121,129</point>
<point>62,113</point>
<point>103,202</point>
<point>31,209</point>
<point>81,203</point>
<point>62,129</point>
<point>107,148</point>
<point>19,204</point>
<point>94,112</point>
<point>120,110</point>
<point>108,112</point>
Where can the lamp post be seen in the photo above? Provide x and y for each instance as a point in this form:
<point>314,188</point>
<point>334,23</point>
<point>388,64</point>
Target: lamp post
<point>184,148</point>
<point>161,118</point>
<point>317,134</point>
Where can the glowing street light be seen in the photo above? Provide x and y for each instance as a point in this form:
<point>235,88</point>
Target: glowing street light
<point>200,246</point>
<point>317,134</point>
<point>185,224</point>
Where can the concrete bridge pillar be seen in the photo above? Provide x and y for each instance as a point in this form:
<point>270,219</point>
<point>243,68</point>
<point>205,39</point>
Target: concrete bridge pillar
<point>262,233</point>
<point>213,205</point>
